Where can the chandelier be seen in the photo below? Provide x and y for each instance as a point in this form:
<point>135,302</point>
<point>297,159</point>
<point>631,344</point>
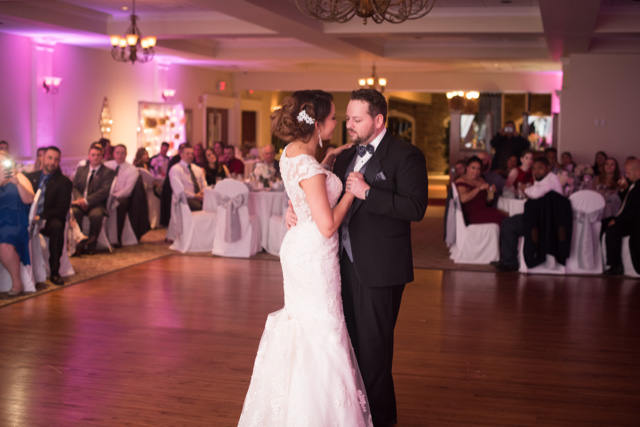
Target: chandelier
<point>373,82</point>
<point>341,11</point>
<point>132,47</point>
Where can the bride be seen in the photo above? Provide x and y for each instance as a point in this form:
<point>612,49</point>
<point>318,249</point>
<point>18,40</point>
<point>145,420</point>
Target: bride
<point>305,373</point>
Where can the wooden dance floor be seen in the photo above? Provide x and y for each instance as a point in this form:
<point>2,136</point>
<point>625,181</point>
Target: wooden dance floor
<point>171,343</point>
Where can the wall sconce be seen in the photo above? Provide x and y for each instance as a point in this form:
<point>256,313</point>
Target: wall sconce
<point>168,94</point>
<point>51,84</point>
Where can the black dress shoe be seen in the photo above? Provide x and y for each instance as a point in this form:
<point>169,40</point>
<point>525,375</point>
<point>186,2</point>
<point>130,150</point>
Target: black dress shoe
<point>56,280</point>
<point>117,245</point>
<point>81,248</point>
<point>506,268</point>
<point>616,270</point>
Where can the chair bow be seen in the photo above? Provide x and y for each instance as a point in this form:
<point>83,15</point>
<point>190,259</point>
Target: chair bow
<point>587,241</point>
<point>233,231</point>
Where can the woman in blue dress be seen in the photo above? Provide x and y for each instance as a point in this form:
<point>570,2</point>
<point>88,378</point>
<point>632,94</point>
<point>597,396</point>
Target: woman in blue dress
<point>16,194</point>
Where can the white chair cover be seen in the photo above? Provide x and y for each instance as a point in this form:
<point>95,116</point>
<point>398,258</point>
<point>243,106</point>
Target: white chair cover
<point>627,263</point>
<point>190,231</point>
<point>153,201</point>
<point>450,223</point>
<point>586,253</point>
<point>475,243</point>
<point>26,271</point>
<point>249,242</point>
<point>277,230</point>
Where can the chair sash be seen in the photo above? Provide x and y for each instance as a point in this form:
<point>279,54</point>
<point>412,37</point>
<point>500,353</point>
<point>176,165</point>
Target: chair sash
<point>587,241</point>
<point>233,232</point>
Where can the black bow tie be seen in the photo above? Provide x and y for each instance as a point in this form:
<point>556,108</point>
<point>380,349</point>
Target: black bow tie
<point>363,149</point>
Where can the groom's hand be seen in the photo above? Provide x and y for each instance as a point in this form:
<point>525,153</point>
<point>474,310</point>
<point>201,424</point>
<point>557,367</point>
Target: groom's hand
<point>356,185</point>
<point>290,217</point>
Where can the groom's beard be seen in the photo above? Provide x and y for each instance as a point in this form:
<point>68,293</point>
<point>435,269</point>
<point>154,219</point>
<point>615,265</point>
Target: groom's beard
<point>359,140</point>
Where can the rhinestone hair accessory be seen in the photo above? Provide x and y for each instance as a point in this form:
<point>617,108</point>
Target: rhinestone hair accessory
<point>303,116</point>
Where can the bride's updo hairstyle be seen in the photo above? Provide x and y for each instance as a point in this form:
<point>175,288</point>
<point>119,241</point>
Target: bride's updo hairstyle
<point>289,124</point>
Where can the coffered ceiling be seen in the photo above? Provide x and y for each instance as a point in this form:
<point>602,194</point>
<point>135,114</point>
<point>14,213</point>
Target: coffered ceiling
<point>273,36</point>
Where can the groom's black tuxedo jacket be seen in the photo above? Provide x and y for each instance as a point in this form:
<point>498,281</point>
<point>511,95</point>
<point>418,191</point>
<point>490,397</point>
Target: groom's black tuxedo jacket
<point>380,226</point>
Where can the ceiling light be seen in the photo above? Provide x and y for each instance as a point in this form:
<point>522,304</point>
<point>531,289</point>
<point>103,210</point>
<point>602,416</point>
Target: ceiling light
<point>373,82</point>
<point>341,11</point>
<point>132,46</point>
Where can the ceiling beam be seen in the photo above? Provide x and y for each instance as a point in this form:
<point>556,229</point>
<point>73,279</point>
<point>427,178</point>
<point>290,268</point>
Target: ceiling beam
<point>568,26</point>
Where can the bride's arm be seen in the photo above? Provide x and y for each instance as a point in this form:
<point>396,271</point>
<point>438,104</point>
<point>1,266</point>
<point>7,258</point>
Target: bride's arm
<point>328,220</point>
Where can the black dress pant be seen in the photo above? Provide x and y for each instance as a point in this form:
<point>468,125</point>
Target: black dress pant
<point>371,314</point>
<point>95,220</point>
<point>613,241</point>
<point>54,230</point>
<point>194,204</point>
<point>511,229</point>
<point>121,215</point>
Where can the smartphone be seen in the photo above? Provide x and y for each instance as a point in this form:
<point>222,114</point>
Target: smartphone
<point>7,165</point>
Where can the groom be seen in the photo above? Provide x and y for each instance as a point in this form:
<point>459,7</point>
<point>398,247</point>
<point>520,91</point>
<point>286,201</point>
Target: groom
<point>388,177</point>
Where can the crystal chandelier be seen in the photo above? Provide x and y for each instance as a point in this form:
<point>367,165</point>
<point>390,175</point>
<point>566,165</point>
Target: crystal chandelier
<point>341,11</point>
<point>132,47</point>
<point>373,82</point>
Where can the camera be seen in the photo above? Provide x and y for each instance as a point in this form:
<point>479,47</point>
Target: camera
<point>7,164</point>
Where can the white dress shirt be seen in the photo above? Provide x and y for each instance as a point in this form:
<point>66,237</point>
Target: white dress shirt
<point>551,182</point>
<point>180,179</point>
<point>364,159</point>
<point>125,179</point>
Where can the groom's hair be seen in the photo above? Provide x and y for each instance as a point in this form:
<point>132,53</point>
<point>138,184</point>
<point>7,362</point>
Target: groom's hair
<point>376,101</point>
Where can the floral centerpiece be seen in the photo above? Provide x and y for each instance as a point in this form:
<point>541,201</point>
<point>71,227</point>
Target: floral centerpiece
<point>264,173</point>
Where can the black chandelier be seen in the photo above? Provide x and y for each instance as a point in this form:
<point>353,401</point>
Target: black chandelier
<point>341,11</point>
<point>132,47</point>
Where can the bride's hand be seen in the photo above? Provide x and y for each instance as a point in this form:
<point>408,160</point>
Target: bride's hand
<point>331,155</point>
<point>290,217</point>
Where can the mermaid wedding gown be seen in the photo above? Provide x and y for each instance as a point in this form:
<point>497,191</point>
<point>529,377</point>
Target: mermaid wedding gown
<point>305,373</point>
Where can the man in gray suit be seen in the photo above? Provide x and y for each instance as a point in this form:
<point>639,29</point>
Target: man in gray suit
<point>91,186</point>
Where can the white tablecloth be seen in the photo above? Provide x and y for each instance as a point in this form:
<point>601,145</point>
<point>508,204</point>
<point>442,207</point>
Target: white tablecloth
<point>511,206</point>
<point>264,204</point>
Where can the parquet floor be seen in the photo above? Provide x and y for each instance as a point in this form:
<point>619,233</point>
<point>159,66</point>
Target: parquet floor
<point>171,342</point>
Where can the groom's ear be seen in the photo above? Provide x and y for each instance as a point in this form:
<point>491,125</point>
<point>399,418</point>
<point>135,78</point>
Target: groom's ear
<point>379,121</point>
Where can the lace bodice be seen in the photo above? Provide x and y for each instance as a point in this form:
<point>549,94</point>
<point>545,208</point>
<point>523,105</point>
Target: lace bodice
<point>299,168</point>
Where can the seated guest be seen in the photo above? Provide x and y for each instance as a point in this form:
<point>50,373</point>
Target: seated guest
<point>91,186</point>
<point>53,206</point>
<point>512,228</point>
<point>476,195</point>
<point>521,176</point>
<point>623,182</point>
<point>607,185</point>
<point>160,162</point>
<point>512,163</point>
<point>141,160</point>
<point>552,155</point>
<point>198,155</point>
<point>269,159</point>
<point>235,165</point>
<point>213,169</point>
<point>165,196</point>
<point>598,164</point>
<point>458,170</point>
<point>567,162</point>
<point>188,178</point>
<point>16,194</point>
<point>626,222</point>
<point>218,148</point>
<point>125,180</point>
<point>37,165</point>
<point>491,177</point>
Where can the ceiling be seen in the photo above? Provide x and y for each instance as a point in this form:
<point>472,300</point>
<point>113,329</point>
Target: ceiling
<point>273,36</point>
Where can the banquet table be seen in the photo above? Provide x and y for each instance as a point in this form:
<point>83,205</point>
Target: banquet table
<point>262,203</point>
<point>511,206</point>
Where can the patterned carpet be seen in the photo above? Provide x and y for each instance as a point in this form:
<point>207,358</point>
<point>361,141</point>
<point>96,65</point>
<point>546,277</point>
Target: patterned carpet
<point>429,252</point>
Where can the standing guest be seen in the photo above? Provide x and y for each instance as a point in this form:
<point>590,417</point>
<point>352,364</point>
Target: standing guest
<point>552,155</point>
<point>4,146</point>
<point>476,196</point>
<point>522,175</point>
<point>214,170</point>
<point>507,142</point>
<point>235,165</point>
<point>126,177</point>
<point>91,186</point>
<point>625,223</point>
<point>567,162</point>
<point>188,178</point>
<point>512,228</point>
<point>160,162</point>
<point>491,177</point>
<point>598,164</point>
<point>198,152</point>
<point>16,194</point>
<point>141,160</point>
<point>53,206</point>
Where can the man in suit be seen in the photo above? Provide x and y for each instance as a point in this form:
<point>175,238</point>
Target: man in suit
<point>388,177</point>
<point>188,178</point>
<point>269,159</point>
<point>126,177</point>
<point>91,186</point>
<point>625,223</point>
<point>53,206</point>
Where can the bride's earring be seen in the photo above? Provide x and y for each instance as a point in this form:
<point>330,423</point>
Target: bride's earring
<point>320,139</point>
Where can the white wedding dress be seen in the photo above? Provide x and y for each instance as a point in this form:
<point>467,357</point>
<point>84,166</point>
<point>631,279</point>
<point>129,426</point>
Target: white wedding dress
<point>305,373</point>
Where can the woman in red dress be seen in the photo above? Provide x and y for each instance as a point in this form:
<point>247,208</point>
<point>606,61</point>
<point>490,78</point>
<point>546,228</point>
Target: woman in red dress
<point>476,195</point>
<point>521,176</point>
